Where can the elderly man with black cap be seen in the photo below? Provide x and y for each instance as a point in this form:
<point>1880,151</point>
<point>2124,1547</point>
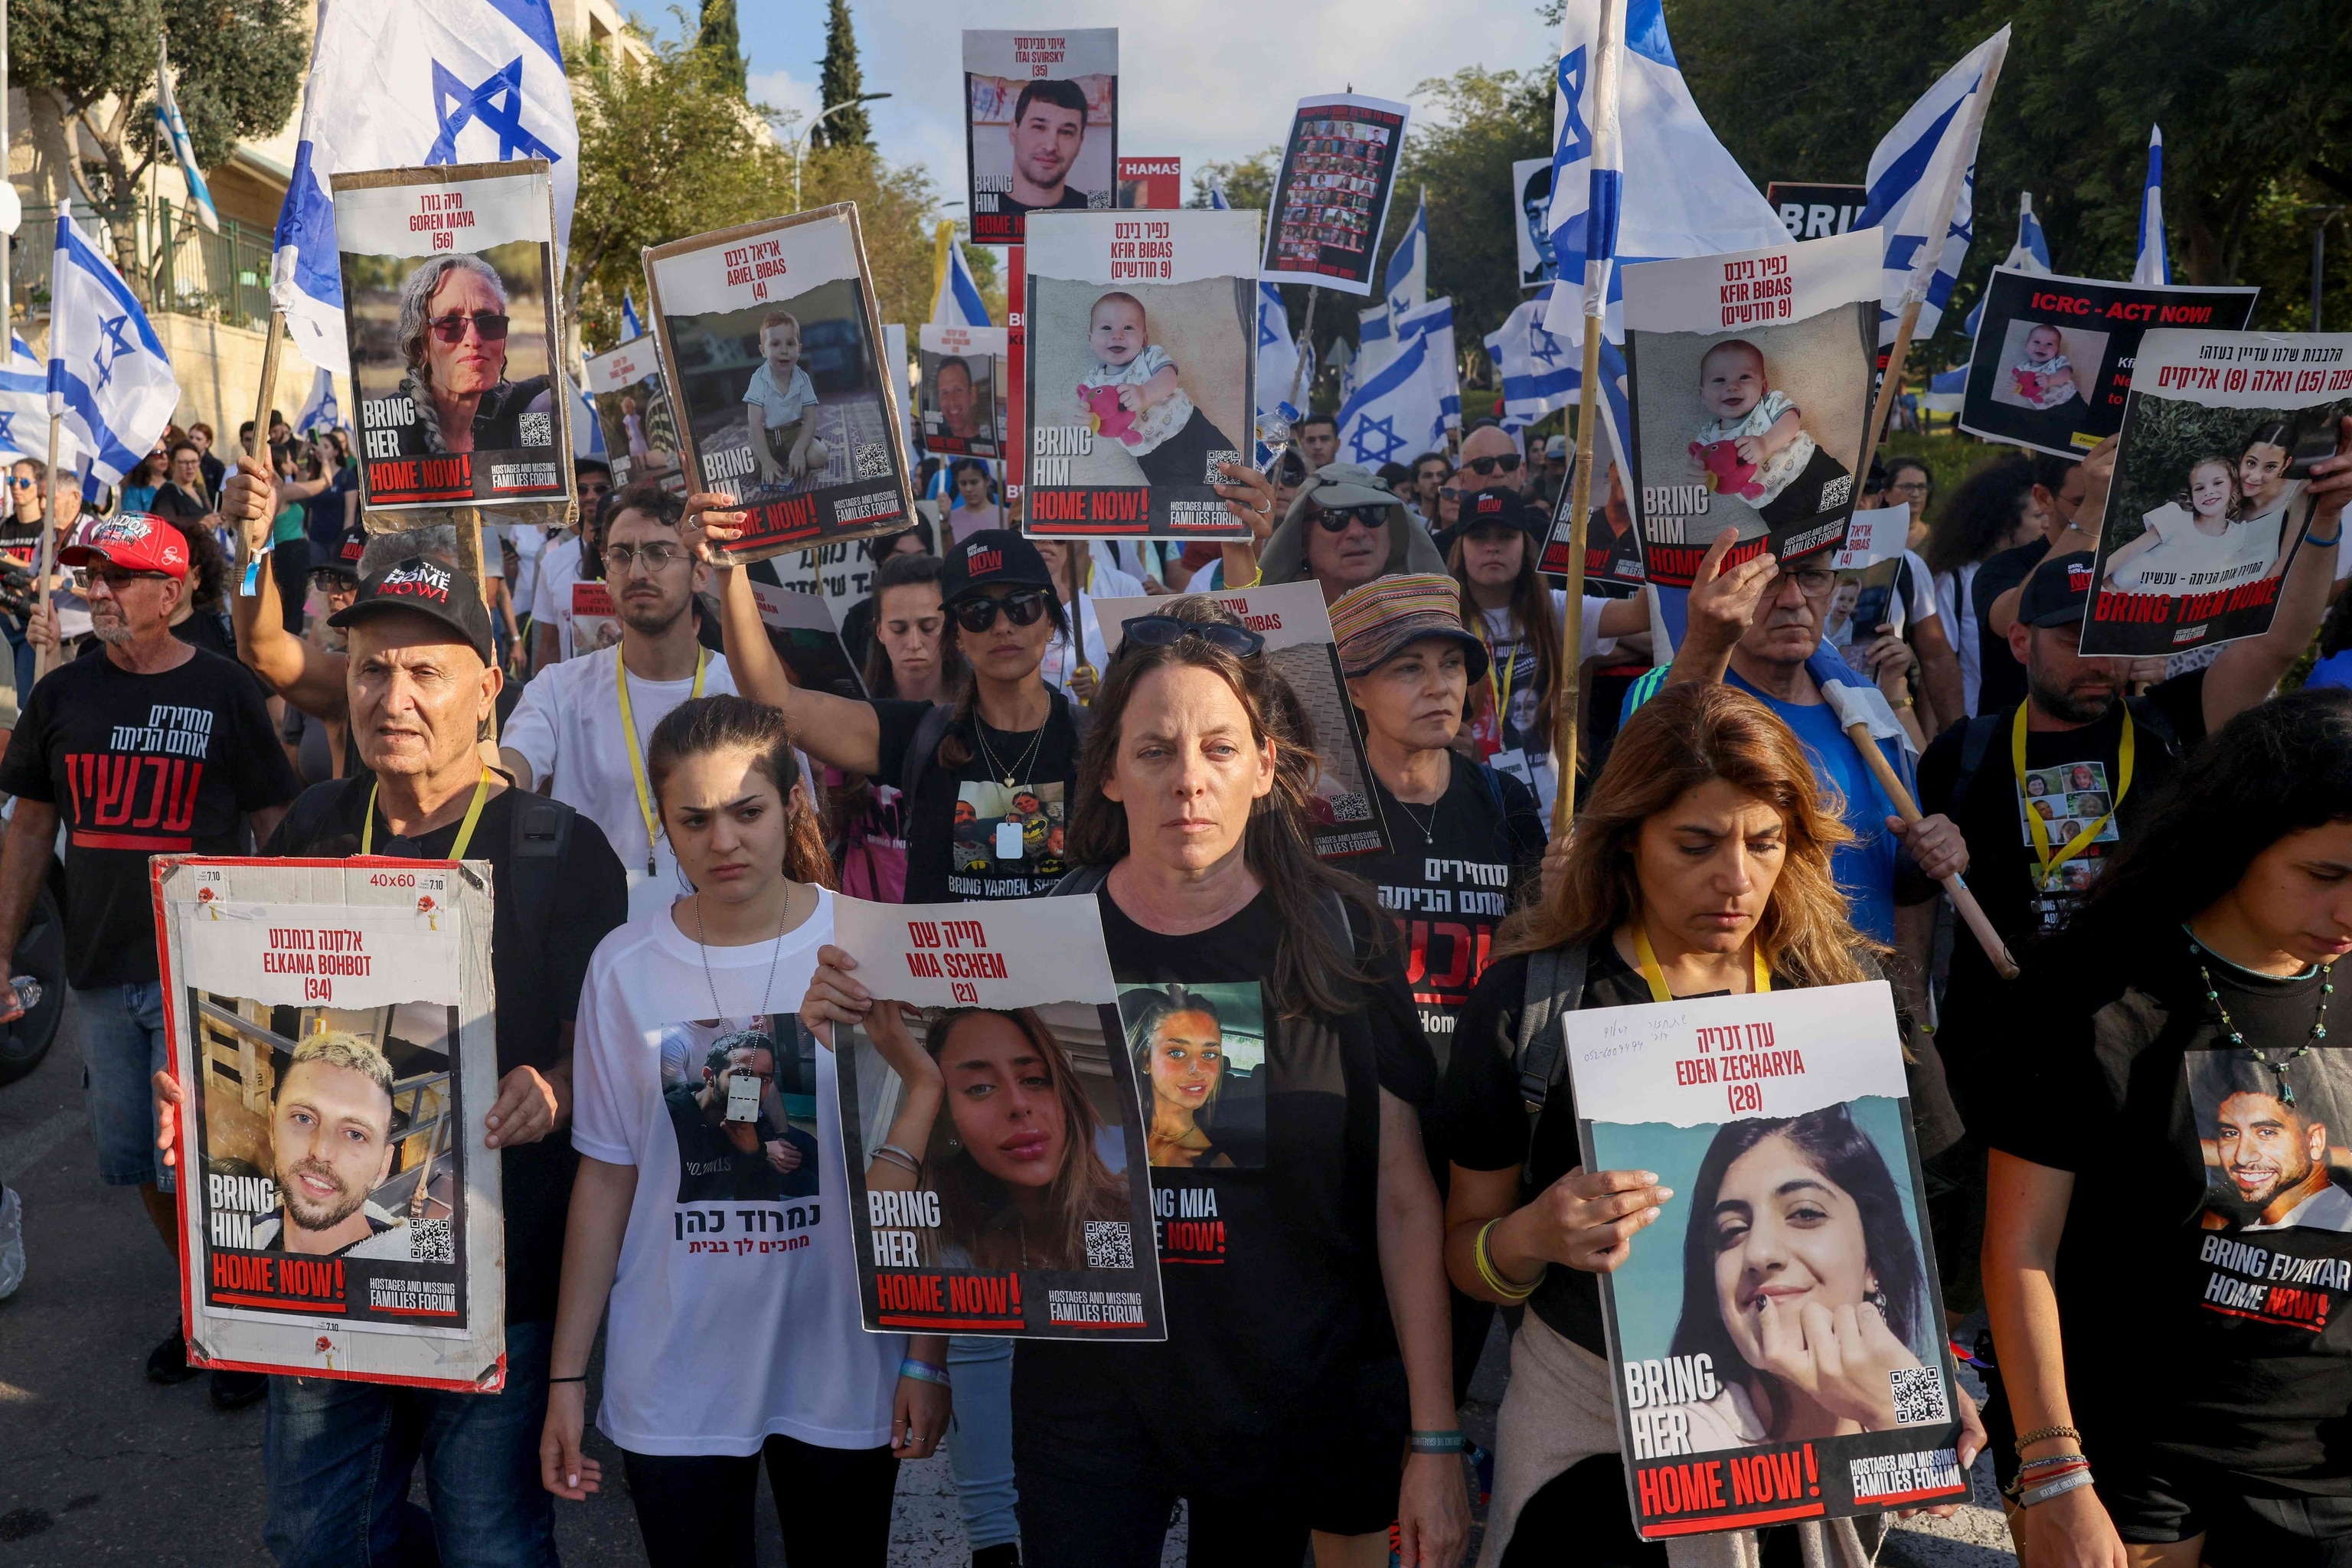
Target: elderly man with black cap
<point>1344,529</point>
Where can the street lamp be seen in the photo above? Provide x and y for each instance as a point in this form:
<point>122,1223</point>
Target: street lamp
<point>800,142</point>
<point>2322,218</point>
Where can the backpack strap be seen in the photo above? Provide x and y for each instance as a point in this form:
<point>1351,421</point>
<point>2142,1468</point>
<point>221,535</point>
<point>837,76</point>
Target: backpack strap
<point>1976,740</point>
<point>2152,718</point>
<point>539,831</point>
<point>1555,988</point>
<point>929,730</point>
<point>1080,880</point>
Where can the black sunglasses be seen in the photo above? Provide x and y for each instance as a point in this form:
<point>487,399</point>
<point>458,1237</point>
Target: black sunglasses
<point>979,614</point>
<point>1335,519</point>
<point>489,324</point>
<point>1167,631</point>
<point>330,581</point>
<point>1507,463</point>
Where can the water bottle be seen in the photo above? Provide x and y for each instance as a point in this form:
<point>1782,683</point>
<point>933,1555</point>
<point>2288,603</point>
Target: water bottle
<point>27,990</point>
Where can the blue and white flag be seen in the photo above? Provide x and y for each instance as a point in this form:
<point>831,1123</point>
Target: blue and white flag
<point>1539,372</point>
<point>172,128</point>
<point>25,409</point>
<point>1376,342</point>
<point>399,86</point>
<point>109,381</point>
<point>958,303</point>
<point>587,430</point>
<point>1407,281</point>
<point>1669,186</point>
<point>320,411</point>
<point>1394,416</point>
<point>631,328</point>
<point>1434,321</point>
<point>1921,181</point>
<point>1217,202</point>
<point>2150,266</point>
<point>2029,254</point>
<point>1278,389</point>
<point>1949,391</point>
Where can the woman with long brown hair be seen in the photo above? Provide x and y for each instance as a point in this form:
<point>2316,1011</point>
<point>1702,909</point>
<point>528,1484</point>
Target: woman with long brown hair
<point>1700,867</point>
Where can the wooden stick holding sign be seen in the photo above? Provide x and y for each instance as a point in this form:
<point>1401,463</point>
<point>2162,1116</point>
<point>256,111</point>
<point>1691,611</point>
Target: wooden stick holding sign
<point>269,393</point>
<point>1908,810</point>
<point>1890,386</point>
<point>48,561</point>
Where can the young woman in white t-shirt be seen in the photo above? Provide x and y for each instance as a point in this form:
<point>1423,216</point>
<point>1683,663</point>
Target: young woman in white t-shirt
<point>726,1348</point>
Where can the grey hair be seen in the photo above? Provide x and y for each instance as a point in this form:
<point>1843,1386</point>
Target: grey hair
<point>416,296</point>
<point>385,550</point>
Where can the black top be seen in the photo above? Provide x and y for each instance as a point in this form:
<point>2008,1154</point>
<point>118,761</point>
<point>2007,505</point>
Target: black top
<point>951,832</point>
<point>176,505</point>
<point>1073,200</point>
<point>140,765</point>
<point>538,976</point>
<point>2001,679</point>
<point>2203,1275</point>
<point>711,1169</point>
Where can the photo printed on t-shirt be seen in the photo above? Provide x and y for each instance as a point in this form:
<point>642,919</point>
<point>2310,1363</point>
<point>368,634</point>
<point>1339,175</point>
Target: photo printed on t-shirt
<point>741,1097</point>
<point>1008,839</point>
<point>2277,1209</point>
<point>1199,1060</point>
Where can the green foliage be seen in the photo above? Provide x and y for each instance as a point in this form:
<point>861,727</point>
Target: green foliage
<point>724,43</point>
<point>840,81</point>
<point>1247,182</point>
<point>1469,128</point>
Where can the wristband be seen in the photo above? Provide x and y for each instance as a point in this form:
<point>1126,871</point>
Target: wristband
<point>923,1371</point>
<point>2074,1480</point>
<point>2041,1432</point>
<point>897,1156</point>
<point>581,1378</point>
<point>1439,1443</point>
<point>2052,1462</point>
<point>2325,544</point>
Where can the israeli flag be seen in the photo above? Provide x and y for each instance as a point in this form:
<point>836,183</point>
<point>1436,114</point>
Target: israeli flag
<point>2029,254</point>
<point>25,409</point>
<point>1394,416</point>
<point>1376,341</point>
<point>1279,381</point>
<point>1665,187</point>
<point>631,328</point>
<point>1436,322</point>
<point>109,381</point>
<point>319,411</point>
<point>2151,265</point>
<point>1539,372</point>
<point>1217,202</point>
<point>1949,391</point>
<point>1407,286</point>
<point>171,128</point>
<point>587,431</point>
<point>1921,181</point>
<point>397,86</point>
<point>959,304</point>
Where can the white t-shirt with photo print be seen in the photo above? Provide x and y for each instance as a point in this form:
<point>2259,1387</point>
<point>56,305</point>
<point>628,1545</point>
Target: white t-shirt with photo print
<point>712,1345</point>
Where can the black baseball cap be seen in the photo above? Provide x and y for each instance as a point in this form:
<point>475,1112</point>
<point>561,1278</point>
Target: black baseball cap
<point>1501,507</point>
<point>991,556</point>
<point>429,586</point>
<point>2059,592</point>
<point>345,560</point>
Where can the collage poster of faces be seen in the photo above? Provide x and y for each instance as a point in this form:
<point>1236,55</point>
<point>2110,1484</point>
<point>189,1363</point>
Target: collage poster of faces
<point>991,1127</point>
<point>1331,199</point>
<point>772,354</point>
<point>1141,371</point>
<point>1750,377</point>
<point>633,413</point>
<point>2052,362</point>
<point>1794,1255</point>
<point>341,1211</point>
<point>1041,126</point>
<point>2207,510</point>
<point>449,305</point>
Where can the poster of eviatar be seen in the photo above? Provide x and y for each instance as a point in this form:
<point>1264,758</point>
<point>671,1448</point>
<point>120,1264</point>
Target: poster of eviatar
<point>1296,626</point>
<point>772,353</point>
<point>1531,200</point>
<point>1041,126</point>
<point>1751,381</point>
<point>332,1025</point>
<point>964,372</point>
<point>450,311</point>
<point>1141,366</point>
<point>1151,185</point>
<point>633,413</point>
<point>1793,1254</point>
<point>800,627</point>
<point>991,1127</point>
<point>1332,197</point>
<point>2053,360</point>
<point>1612,544</point>
<point>2208,506</point>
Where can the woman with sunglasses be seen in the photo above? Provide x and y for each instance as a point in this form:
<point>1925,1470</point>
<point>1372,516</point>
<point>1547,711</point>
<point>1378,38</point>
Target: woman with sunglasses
<point>140,485</point>
<point>453,333</point>
<point>1344,529</point>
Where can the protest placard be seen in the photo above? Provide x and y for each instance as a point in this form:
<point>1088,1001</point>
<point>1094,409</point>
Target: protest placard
<point>450,309</point>
<point>1141,367</point>
<point>1332,197</point>
<point>840,574</point>
<point>1612,544</point>
<point>2053,360</point>
<point>1299,647</point>
<point>330,1025</point>
<point>772,354</point>
<point>1816,211</point>
<point>2207,507</point>
<point>633,413</point>
<point>1873,536</point>
<point>1531,199</point>
<point>1151,185</point>
<point>991,1124</point>
<point>596,623</point>
<point>964,372</point>
<point>1750,389</point>
<point>1041,125</point>
<point>1768,1115</point>
<point>801,628</point>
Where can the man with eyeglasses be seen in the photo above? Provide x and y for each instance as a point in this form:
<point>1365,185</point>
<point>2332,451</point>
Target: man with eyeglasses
<point>586,723</point>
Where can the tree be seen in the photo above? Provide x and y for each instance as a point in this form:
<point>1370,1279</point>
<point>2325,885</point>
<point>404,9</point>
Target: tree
<point>723,42</point>
<point>1247,182</point>
<point>839,81</point>
<point>1477,122</point>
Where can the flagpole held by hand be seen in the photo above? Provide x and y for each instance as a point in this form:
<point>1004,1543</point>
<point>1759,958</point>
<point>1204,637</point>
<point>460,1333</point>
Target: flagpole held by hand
<point>1908,810</point>
<point>268,386</point>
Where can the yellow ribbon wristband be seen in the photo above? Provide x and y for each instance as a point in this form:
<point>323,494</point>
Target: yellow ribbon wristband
<point>1493,1275</point>
<point>629,738</point>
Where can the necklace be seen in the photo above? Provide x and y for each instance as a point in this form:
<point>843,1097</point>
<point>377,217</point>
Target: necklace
<point>2279,1066</point>
<point>1036,738</point>
<point>1429,828</point>
<point>775,953</point>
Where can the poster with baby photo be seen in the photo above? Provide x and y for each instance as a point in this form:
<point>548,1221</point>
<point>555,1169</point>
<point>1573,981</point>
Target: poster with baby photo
<point>1296,628</point>
<point>2208,506</point>
<point>1789,1283</point>
<point>1332,197</point>
<point>1140,371</point>
<point>1612,544</point>
<point>962,397</point>
<point>450,313</point>
<point>2052,362</point>
<point>330,1028</point>
<point>1751,381</point>
<point>633,414</point>
<point>772,354</point>
<point>1041,126</point>
<point>993,1134</point>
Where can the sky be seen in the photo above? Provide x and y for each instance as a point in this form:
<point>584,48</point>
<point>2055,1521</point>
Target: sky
<point>1207,80</point>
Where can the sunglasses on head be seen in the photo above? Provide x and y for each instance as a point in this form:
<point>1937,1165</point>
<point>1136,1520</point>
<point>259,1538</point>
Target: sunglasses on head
<point>1167,631</point>
<point>1509,463</point>
<point>1023,608</point>
<point>489,324</point>
<point>1335,519</point>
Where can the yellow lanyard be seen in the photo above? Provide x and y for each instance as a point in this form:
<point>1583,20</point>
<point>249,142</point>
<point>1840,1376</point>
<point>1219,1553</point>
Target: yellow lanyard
<point>465,829</point>
<point>1500,688</point>
<point>629,738</point>
<point>2050,862</point>
<point>1657,976</point>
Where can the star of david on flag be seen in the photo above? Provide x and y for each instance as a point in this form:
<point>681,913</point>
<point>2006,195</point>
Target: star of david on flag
<point>109,383</point>
<point>1394,414</point>
<point>25,399</point>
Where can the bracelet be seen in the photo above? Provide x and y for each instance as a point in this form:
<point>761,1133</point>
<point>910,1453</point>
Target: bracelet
<point>1256,577</point>
<point>1493,1277</point>
<point>2325,543</point>
<point>923,1371</point>
<point>2040,1433</point>
<point>2073,1481</point>
<point>897,1156</point>
<point>581,1378</point>
<point>1907,703</point>
<point>1440,1443</point>
<point>2052,1461</point>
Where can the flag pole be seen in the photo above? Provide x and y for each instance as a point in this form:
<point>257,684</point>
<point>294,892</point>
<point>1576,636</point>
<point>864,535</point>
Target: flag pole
<point>1307,336</point>
<point>1890,385</point>
<point>269,393</point>
<point>48,656</point>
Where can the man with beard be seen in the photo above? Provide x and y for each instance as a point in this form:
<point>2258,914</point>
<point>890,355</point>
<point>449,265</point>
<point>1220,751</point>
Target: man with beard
<point>1049,126</point>
<point>586,723</point>
<point>2272,1155</point>
<point>330,1145</point>
<point>724,1158</point>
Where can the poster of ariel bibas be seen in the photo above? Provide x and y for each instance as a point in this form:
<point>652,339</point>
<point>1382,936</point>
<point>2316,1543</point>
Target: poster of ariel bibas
<point>991,1128</point>
<point>1776,1335</point>
<point>332,1025</point>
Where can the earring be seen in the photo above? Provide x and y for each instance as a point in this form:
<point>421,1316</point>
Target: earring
<point>1877,1298</point>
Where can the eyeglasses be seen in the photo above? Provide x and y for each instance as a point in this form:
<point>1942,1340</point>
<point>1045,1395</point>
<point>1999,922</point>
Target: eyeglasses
<point>1336,519</point>
<point>1023,608</point>
<point>1167,631</point>
<point>657,557</point>
<point>23,484</point>
<point>115,577</point>
<point>1814,581</point>
<point>1910,488</point>
<point>489,324</point>
<point>1509,463</point>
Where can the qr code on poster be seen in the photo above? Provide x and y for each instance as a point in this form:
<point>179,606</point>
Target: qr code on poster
<point>535,429</point>
<point>1110,1244</point>
<point>429,1242</point>
<point>1918,1395</point>
<point>873,460</point>
<point>1210,474</point>
<point>1349,805</point>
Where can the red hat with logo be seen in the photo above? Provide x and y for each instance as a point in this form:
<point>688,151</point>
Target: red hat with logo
<point>131,541</point>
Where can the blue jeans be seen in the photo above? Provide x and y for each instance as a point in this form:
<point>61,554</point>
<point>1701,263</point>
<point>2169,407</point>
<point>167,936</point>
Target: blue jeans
<point>123,1047</point>
<point>338,1457</point>
<point>979,1439</point>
